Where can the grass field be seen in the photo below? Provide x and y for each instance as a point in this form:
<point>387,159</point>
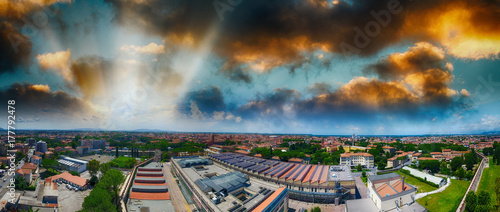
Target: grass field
<point>421,186</point>
<point>447,200</point>
<point>488,180</point>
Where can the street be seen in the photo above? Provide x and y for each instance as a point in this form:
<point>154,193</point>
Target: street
<point>176,196</point>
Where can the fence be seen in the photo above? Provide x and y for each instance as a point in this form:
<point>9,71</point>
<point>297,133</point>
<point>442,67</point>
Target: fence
<point>475,181</point>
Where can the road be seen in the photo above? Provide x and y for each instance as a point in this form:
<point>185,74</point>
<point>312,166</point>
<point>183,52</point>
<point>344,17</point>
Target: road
<point>5,180</point>
<point>420,195</point>
<point>180,204</point>
<point>360,185</point>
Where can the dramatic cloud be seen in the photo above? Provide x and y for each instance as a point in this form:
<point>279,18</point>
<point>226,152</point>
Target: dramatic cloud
<point>276,103</point>
<point>40,101</point>
<point>14,9</point>
<point>151,48</point>
<point>92,75</point>
<point>260,35</point>
<point>16,48</point>
<point>416,85</point>
<point>58,61</point>
<point>207,100</point>
<point>205,103</point>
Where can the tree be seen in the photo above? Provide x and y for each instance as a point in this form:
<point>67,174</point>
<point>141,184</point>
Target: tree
<point>497,189</point>
<point>93,167</point>
<point>381,165</point>
<point>98,200</point>
<point>111,182</point>
<point>49,164</point>
<point>363,174</point>
<point>460,173</point>
<point>316,209</point>
<point>104,168</point>
<point>431,165</point>
<point>470,201</point>
<point>359,168</point>
<point>456,162</point>
<point>470,160</point>
<point>165,156</point>
<point>469,175</point>
<point>484,200</point>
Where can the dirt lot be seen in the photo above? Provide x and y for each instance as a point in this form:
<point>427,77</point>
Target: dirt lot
<point>70,201</point>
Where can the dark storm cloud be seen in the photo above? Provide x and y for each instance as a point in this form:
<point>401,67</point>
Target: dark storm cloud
<point>320,88</point>
<point>419,88</point>
<point>237,74</point>
<point>208,100</point>
<point>15,48</point>
<point>38,101</point>
<point>270,104</point>
<point>260,35</point>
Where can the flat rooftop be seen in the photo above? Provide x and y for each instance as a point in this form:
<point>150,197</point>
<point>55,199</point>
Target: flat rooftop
<point>155,202</point>
<point>254,188</point>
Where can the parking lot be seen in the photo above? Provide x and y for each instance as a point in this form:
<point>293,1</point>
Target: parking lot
<point>100,158</point>
<point>70,200</point>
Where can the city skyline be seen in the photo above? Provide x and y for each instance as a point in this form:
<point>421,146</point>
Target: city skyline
<point>283,67</point>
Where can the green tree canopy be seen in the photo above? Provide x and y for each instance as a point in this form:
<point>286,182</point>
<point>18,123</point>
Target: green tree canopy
<point>93,167</point>
<point>470,202</point>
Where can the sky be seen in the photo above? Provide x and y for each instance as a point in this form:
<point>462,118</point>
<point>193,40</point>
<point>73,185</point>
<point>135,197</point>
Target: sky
<point>284,66</point>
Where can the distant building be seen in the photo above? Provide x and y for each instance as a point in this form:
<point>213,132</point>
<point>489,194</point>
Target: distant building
<point>389,149</point>
<point>36,159</point>
<point>93,144</point>
<point>295,160</point>
<point>353,159</point>
<point>31,141</point>
<point>41,146</point>
<point>213,150</point>
<point>83,150</point>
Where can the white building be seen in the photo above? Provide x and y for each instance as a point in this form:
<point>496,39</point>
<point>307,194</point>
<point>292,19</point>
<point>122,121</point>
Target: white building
<point>389,192</point>
<point>72,164</point>
<point>353,159</point>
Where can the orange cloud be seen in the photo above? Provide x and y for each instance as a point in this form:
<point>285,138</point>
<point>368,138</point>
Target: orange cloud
<point>16,8</point>
<point>151,48</point>
<point>467,29</point>
<point>58,61</point>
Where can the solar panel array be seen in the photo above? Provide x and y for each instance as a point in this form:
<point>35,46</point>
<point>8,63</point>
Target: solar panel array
<point>314,174</point>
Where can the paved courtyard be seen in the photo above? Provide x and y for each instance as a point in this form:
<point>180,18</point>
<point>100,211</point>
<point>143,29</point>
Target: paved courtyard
<point>69,200</point>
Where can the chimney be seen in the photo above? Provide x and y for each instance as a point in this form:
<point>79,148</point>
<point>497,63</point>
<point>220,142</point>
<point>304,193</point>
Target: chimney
<point>403,184</point>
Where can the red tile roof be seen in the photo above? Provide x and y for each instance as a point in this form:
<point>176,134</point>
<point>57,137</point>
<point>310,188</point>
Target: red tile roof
<point>150,196</point>
<point>71,178</point>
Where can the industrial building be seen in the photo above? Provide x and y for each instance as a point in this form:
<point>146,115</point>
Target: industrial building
<point>308,183</point>
<point>149,191</point>
<point>213,188</point>
<point>72,164</point>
